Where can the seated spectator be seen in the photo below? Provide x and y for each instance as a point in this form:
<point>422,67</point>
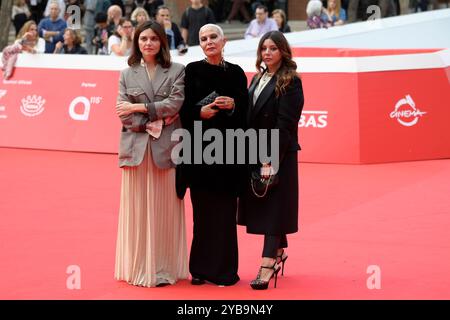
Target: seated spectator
<point>173,33</point>
<point>334,14</point>
<point>314,11</point>
<point>61,5</point>
<point>52,28</point>
<point>71,45</point>
<point>139,16</point>
<point>261,25</point>
<point>27,42</point>
<point>120,43</point>
<point>280,18</point>
<point>20,14</point>
<point>101,34</point>
<point>29,39</point>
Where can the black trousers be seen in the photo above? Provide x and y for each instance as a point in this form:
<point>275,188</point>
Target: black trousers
<point>272,244</point>
<point>214,250</point>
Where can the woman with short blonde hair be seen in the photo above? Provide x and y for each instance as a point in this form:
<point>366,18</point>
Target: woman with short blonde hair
<point>139,15</point>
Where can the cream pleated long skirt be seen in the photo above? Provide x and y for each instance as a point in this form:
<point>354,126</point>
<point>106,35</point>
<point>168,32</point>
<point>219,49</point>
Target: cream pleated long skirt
<point>151,241</point>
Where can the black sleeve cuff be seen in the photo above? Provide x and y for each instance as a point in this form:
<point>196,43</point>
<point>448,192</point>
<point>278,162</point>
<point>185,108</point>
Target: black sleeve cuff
<point>151,111</point>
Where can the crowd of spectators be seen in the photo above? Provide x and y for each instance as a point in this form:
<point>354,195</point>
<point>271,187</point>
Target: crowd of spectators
<point>107,26</point>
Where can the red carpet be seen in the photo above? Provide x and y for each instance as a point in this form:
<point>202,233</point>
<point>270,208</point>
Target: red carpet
<point>60,208</point>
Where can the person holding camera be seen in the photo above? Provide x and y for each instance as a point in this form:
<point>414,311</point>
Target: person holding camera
<point>101,34</point>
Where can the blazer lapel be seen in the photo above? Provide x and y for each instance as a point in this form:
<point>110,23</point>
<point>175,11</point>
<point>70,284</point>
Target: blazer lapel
<point>160,77</point>
<point>144,82</point>
<point>251,92</point>
<point>263,97</point>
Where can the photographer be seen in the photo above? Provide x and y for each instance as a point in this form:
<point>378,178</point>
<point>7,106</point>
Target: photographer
<point>101,34</point>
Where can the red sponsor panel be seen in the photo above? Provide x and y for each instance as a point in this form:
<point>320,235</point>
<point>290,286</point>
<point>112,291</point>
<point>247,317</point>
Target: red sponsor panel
<point>329,126</point>
<point>404,115</point>
<point>357,109</point>
<point>63,110</point>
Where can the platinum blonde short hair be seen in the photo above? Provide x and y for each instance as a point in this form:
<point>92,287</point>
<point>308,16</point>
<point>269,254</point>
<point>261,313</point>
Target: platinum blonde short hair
<point>217,28</point>
<point>314,8</point>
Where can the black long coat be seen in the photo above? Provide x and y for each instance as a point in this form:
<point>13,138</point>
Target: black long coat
<point>201,79</point>
<point>277,212</point>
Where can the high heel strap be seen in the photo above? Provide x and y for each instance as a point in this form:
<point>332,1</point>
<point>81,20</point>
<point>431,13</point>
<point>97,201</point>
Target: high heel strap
<point>282,261</point>
<point>281,256</point>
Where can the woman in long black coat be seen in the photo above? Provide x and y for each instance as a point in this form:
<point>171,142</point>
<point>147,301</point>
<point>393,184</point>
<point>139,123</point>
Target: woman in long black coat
<point>275,102</point>
<point>213,186</point>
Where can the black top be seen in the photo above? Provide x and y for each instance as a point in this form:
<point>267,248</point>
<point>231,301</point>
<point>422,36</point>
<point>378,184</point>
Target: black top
<point>193,20</point>
<point>285,29</point>
<point>177,35</point>
<point>229,80</point>
<point>75,50</point>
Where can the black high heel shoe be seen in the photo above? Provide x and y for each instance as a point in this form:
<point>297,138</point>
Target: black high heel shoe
<point>282,260</point>
<point>259,284</point>
<point>197,281</point>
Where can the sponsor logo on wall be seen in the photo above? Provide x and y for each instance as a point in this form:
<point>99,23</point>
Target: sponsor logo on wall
<point>80,107</point>
<point>406,112</point>
<point>313,119</point>
<point>32,105</point>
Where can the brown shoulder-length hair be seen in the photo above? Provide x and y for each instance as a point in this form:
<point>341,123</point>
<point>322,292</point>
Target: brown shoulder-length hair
<point>288,68</point>
<point>75,36</point>
<point>163,56</point>
<point>283,16</point>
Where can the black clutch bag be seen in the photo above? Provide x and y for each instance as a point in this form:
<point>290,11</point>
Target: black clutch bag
<point>208,99</point>
<point>261,186</point>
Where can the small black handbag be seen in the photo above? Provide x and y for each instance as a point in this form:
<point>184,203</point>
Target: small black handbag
<point>260,186</point>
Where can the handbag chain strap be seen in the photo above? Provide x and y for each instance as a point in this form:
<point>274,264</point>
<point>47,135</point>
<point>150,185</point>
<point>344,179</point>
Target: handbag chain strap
<point>256,193</point>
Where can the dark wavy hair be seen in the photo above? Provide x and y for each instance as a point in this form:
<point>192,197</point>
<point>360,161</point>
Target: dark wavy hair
<point>163,56</point>
<point>288,68</point>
